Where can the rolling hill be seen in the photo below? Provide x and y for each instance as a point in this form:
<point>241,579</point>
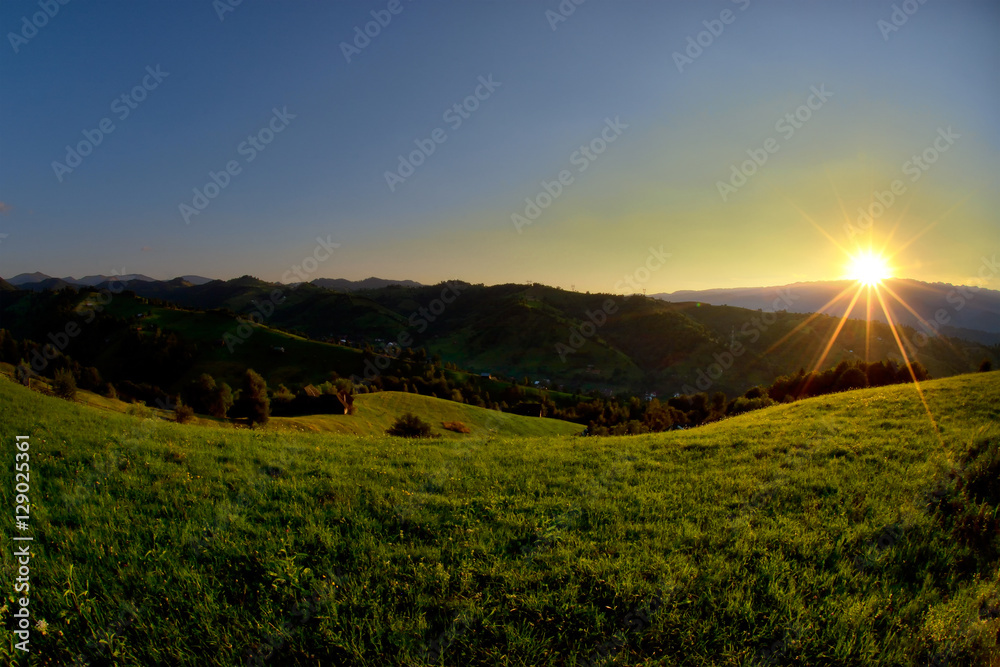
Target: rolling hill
<point>841,530</point>
<point>374,415</point>
<point>556,337</point>
<point>377,412</point>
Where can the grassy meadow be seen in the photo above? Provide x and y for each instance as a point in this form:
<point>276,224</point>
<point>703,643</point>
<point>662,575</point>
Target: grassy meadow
<point>840,530</point>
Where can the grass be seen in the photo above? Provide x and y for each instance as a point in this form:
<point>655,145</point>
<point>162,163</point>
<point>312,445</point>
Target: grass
<point>840,530</point>
<point>377,412</point>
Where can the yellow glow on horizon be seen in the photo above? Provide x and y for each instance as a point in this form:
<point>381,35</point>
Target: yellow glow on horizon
<point>869,268</point>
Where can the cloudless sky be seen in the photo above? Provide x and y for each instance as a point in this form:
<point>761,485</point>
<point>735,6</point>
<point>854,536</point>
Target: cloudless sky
<point>656,184</point>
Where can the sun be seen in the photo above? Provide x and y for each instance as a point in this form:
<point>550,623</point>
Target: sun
<point>869,268</point>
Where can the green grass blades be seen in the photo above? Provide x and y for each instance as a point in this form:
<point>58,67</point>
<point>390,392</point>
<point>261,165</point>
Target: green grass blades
<point>841,530</point>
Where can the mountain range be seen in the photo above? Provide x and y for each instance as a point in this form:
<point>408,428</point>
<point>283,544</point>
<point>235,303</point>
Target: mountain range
<point>606,342</point>
<point>40,281</point>
<point>972,313</point>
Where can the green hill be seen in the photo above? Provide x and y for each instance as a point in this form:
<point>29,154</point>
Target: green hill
<point>841,530</point>
<point>377,412</point>
<point>515,331</point>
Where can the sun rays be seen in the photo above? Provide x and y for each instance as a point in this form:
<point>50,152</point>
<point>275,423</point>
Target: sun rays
<point>869,271</point>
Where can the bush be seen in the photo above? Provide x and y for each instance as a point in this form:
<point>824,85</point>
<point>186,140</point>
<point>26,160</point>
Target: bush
<point>139,409</point>
<point>410,426</point>
<point>64,384</point>
<point>183,413</point>
<point>986,366</point>
<point>22,373</point>
<point>457,427</point>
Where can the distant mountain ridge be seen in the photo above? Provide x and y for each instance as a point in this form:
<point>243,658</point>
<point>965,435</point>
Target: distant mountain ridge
<point>26,280</point>
<point>971,313</point>
<point>606,342</point>
<point>956,310</point>
<point>40,281</point>
<point>344,285</point>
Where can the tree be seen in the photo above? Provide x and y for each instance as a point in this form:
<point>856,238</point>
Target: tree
<point>210,397</point>
<point>852,378</point>
<point>64,384</point>
<point>8,348</point>
<point>986,366</point>
<point>203,392</point>
<point>254,396</point>
<point>915,370</point>
<point>283,395</point>
<point>90,378</point>
<point>222,400</point>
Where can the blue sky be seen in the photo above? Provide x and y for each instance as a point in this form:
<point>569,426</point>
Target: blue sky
<point>656,184</point>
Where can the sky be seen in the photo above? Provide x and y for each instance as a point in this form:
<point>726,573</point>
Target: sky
<point>723,143</point>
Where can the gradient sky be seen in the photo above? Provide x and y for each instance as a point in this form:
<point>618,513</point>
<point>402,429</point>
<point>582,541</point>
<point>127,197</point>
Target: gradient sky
<point>655,185</point>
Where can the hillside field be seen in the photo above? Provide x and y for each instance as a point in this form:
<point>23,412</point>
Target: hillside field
<point>840,530</point>
<point>377,412</point>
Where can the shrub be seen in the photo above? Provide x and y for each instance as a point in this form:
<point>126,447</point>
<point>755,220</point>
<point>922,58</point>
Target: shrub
<point>64,384</point>
<point>22,373</point>
<point>183,413</point>
<point>986,366</point>
<point>457,427</point>
<point>139,409</point>
<point>410,426</point>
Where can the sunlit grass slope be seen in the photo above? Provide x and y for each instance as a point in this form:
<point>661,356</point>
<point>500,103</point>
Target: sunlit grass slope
<point>841,530</point>
<point>377,412</point>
